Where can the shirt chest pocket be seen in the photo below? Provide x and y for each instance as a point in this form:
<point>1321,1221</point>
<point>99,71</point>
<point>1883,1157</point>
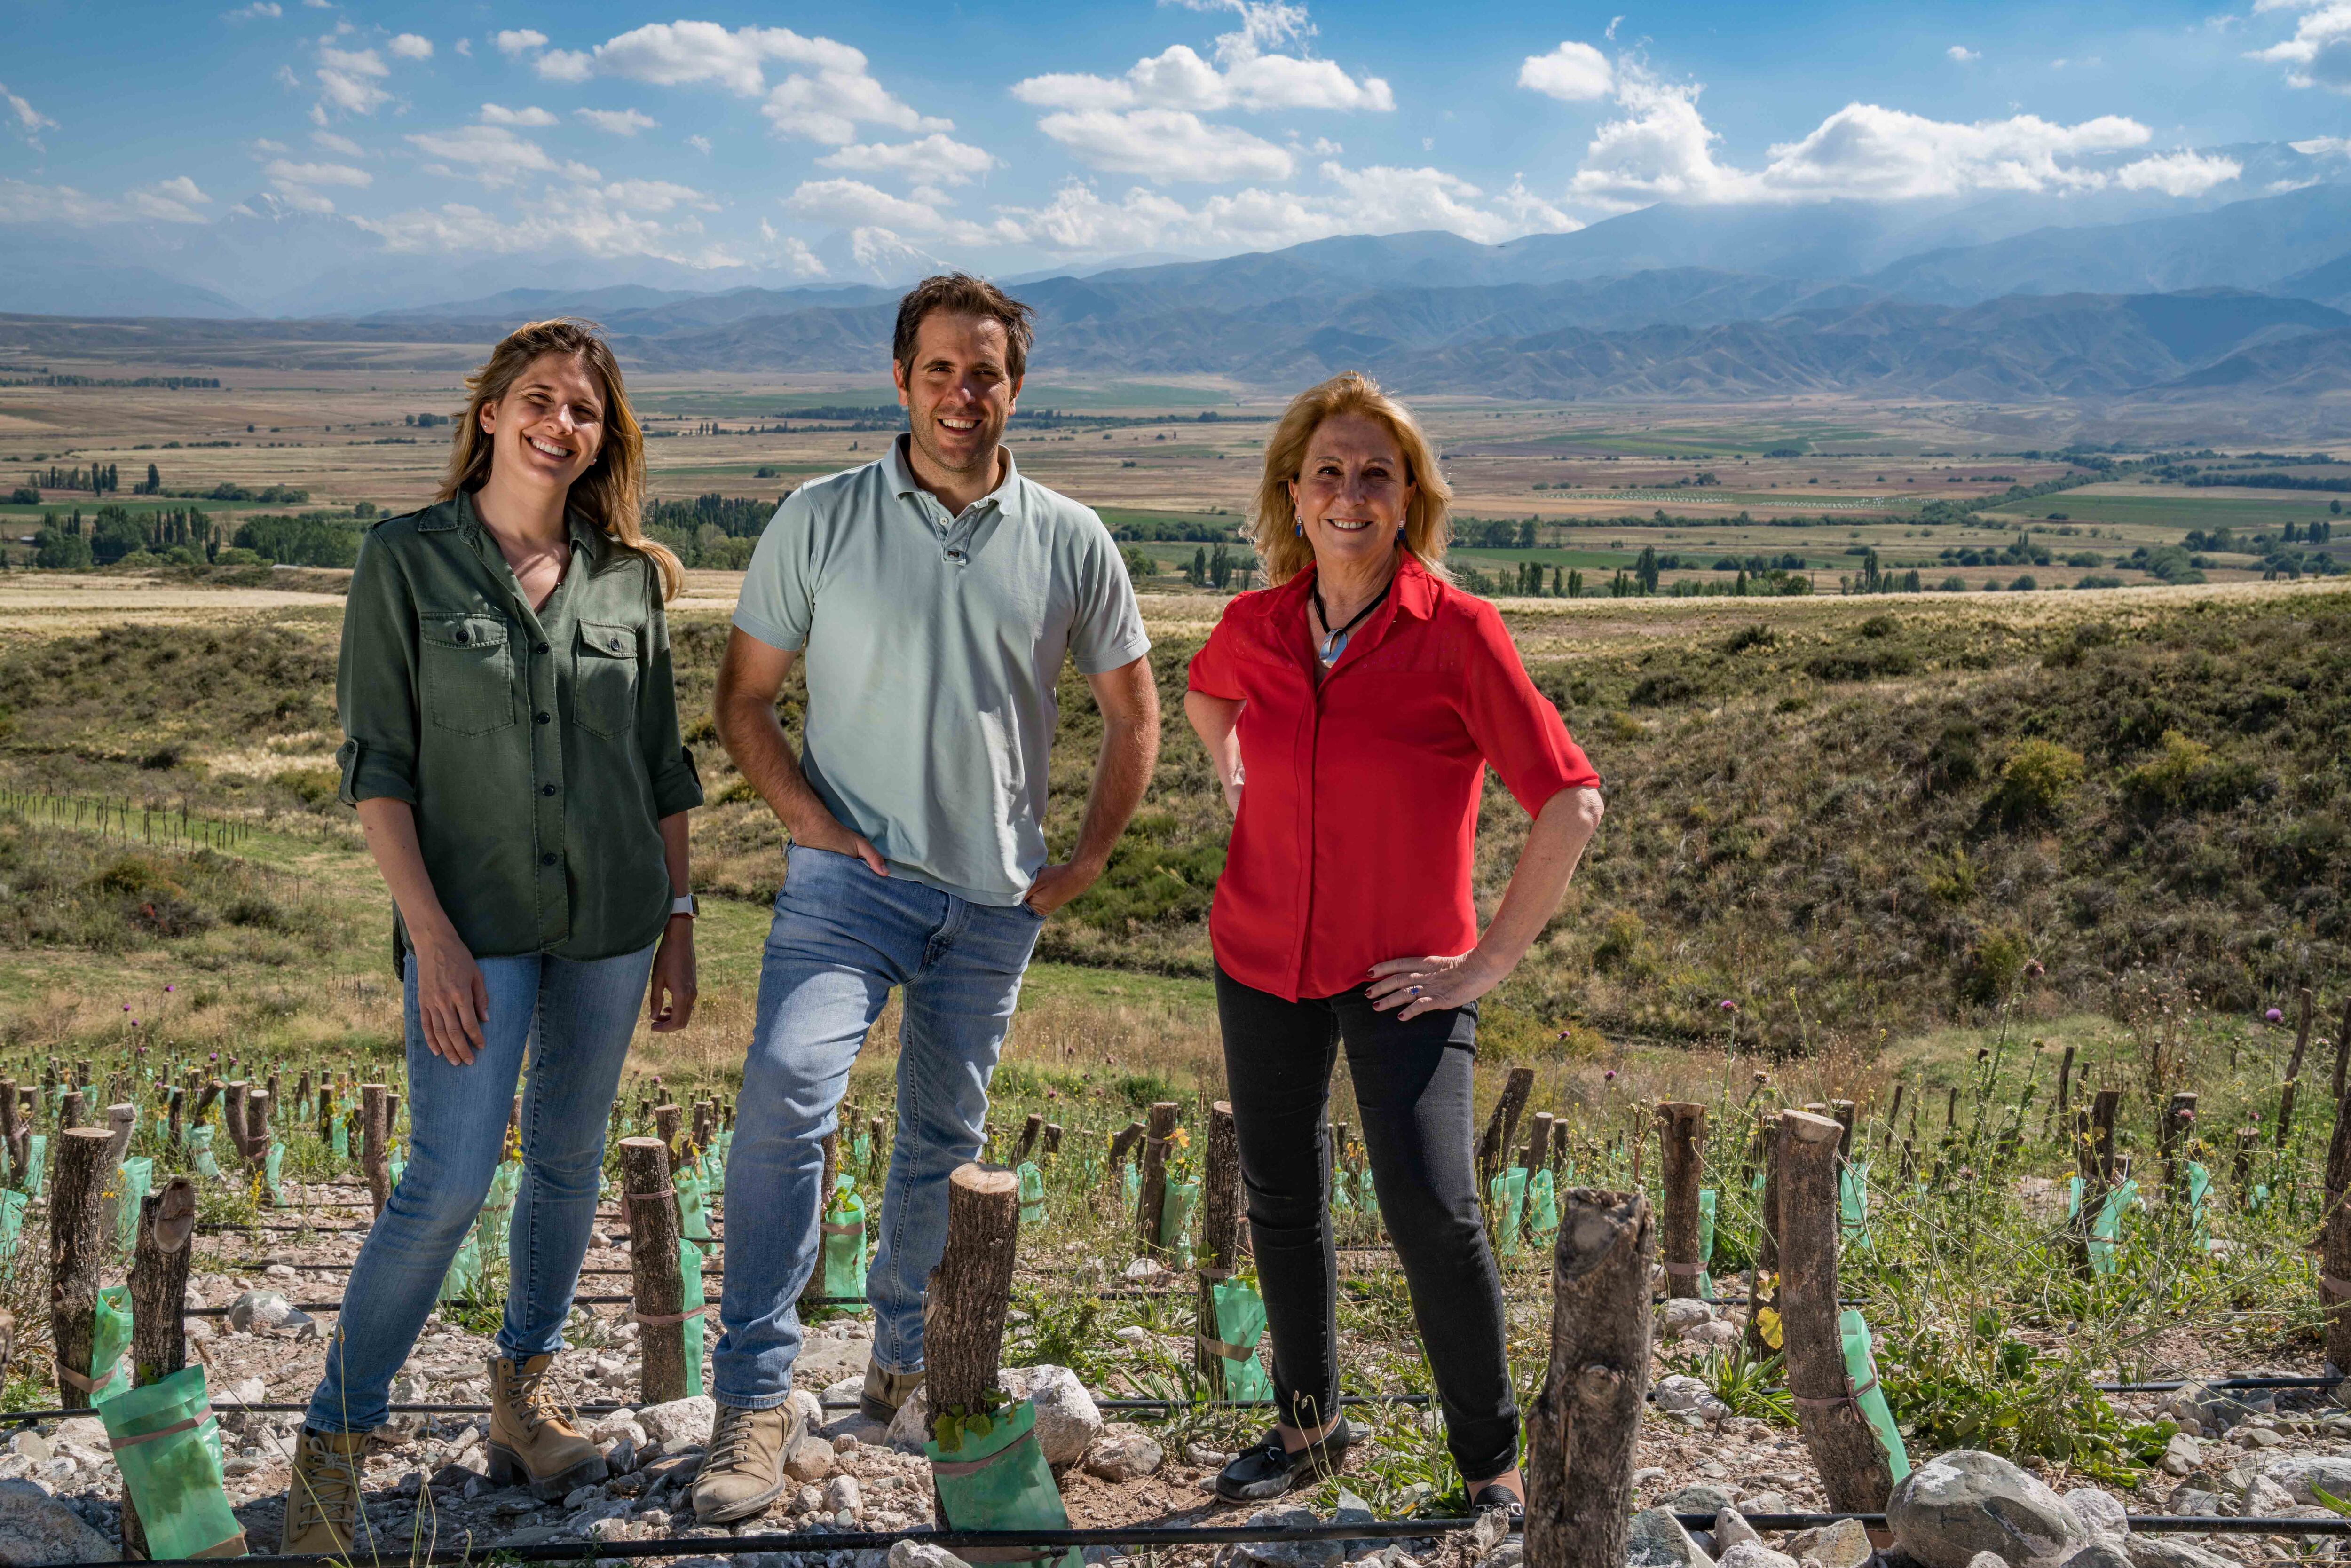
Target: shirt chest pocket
<point>467,669</point>
<point>604,690</point>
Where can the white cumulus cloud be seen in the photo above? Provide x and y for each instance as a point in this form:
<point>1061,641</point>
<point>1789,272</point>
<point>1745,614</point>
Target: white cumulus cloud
<point>518,40</point>
<point>1244,75</point>
<point>617,121</point>
<point>2178,173</point>
<point>934,160</point>
<point>494,155</point>
<point>498,114</point>
<point>348,81</point>
<point>412,47</point>
<point>334,143</point>
<point>1167,145</point>
<point>29,122</point>
<point>259,11</point>
<point>172,201</point>
<point>1573,73</point>
<point>1961,55</point>
<point>2319,53</point>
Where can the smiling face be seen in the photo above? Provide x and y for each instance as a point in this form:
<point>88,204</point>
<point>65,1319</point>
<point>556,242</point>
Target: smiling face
<point>1351,493</point>
<point>957,391</point>
<point>549,426</point>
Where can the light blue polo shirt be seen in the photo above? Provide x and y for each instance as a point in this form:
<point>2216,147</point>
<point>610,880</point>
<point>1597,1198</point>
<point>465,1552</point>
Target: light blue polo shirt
<point>932,645</point>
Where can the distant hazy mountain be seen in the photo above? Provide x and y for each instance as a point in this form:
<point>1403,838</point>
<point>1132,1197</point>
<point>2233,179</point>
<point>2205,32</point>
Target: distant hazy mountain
<point>49,286</point>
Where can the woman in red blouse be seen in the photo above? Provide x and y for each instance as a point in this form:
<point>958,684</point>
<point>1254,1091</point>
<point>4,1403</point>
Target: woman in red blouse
<point>1350,711</point>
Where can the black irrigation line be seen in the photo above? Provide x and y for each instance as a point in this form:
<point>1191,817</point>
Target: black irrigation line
<point>1057,1541</point>
<point>607,1408</point>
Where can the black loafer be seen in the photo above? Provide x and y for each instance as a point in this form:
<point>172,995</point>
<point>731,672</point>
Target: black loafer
<point>1268,1470</point>
<point>1499,1496</point>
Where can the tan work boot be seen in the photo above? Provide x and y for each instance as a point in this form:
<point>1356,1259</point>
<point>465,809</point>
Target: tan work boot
<point>531,1443</point>
<point>885,1391</point>
<point>322,1505</point>
<point>743,1469</point>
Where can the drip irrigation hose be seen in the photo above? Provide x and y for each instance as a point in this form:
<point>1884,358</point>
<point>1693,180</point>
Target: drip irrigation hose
<point>607,1408</point>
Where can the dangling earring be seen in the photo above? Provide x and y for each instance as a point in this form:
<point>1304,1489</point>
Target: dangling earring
<point>1298,529</point>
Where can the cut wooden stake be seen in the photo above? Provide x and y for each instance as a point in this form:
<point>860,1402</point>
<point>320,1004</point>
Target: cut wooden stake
<point>1151,1197</point>
<point>1763,1279</point>
<point>2335,1240</point>
<point>970,1290</point>
<point>1681,1135</point>
<point>122,1121</point>
<point>1502,1125</point>
<point>77,1253</point>
<point>2293,1071</point>
<point>375,1143</point>
<point>657,1282</point>
<point>13,1130</point>
<point>1053,1139</point>
<point>1030,1131</point>
<point>2342,1048</point>
<point>1844,1447</point>
<point>1121,1142</point>
<point>1538,1148</point>
<point>668,1122</point>
<point>1581,1432</point>
<point>2065,1081</point>
<point>2171,1142</point>
<point>71,1112</point>
<point>1220,1223</point>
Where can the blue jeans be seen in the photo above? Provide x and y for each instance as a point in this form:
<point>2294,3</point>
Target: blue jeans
<point>577,1018</point>
<point>842,938</point>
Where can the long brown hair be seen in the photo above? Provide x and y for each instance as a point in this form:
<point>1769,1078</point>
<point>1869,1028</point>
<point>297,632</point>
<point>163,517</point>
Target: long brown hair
<point>1273,516</point>
<point>611,494</point>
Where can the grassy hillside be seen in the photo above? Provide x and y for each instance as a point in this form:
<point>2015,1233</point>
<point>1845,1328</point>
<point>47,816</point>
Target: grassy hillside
<point>1847,816</point>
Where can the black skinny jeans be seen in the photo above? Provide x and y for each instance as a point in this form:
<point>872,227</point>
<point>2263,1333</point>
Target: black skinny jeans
<point>1413,1091</point>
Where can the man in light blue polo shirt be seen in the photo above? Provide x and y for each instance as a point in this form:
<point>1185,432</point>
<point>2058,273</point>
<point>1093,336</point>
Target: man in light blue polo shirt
<point>932,597</point>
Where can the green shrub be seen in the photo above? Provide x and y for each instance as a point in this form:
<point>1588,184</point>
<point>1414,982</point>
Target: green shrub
<point>2186,775</point>
<point>2038,778</point>
<point>1994,965</point>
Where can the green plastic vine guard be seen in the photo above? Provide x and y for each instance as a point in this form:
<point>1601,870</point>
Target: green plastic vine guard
<point>1341,1200</point>
<point>465,1270</point>
<point>2108,1229</point>
<point>167,1444</point>
<point>339,1136</point>
<point>37,1152</point>
<point>693,1222</point>
<point>273,1169</point>
<point>844,1244</point>
<point>1853,1202</point>
<point>1175,1219</point>
<point>994,1477</point>
<point>1240,1323</point>
<point>12,1232</point>
<point>1861,1369</point>
<point>1542,1209</point>
<point>1367,1198</point>
<point>199,1141</point>
<point>1032,1193</point>
<point>398,1164</point>
<point>860,1147</point>
<point>714,1171</point>
<point>133,1177</point>
<point>1509,1195</point>
<point>2200,1186</point>
<point>496,1219</point>
<point>689,1269</point>
<point>1130,1178</point>
<point>1705,1209</point>
<point>110,1343</point>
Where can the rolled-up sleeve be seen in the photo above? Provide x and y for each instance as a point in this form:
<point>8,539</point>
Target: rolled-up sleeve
<point>1518,732</point>
<point>677,787</point>
<point>1211,671</point>
<point>375,682</point>
<point>779,597</point>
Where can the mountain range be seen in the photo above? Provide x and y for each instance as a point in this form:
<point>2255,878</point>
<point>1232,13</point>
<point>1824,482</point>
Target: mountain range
<point>2115,295</point>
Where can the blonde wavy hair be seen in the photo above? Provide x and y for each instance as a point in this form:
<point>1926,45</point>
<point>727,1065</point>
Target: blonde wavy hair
<point>1273,516</point>
<point>611,494</point>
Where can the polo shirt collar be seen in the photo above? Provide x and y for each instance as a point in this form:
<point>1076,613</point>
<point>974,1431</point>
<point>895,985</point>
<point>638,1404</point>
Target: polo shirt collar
<point>1005,497</point>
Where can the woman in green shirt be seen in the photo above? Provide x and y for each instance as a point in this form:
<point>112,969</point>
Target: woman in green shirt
<point>512,750</point>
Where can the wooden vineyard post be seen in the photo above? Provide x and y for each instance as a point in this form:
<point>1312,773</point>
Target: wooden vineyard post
<point>1053,1139</point>
<point>256,1126</point>
<point>1843,1110</point>
<point>971,1290</point>
<point>77,1250</point>
<point>1030,1131</point>
<point>159,1303</point>
<point>2179,1123</point>
<point>877,1153</point>
<point>2064,1082</point>
<point>1581,1432</point>
<point>11,1129</point>
<point>667,1123</point>
<point>1220,1223</point>
<point>2293,1071</point>
<point>326,1110</point>
<point>2334,1241</point>
<point>71,1111</point>
<point>2342,1048</point>
<point>233,1099</point>
<point>1844,1447</point>
<point>657,1282</point>
<point>122,1121</point>
<point>1538,1149</point>
<point>375,1151</point>
<point>705,1116</point>
<point>1894,1114</point>
<point>2097,1168</point>
<point>1681,1135</point>
<point>1151,1198</point>
<point>1761,1298</point>
<point>176,1102</point>
<point>1501,1126</point>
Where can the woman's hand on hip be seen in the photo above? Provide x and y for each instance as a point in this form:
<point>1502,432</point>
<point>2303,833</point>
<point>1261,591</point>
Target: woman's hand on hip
<point>1424,985</point>
<point>452,1001</point>
<point>670,1006</point>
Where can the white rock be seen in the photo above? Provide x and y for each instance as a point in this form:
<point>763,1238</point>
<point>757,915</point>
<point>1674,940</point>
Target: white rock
<point>1680,1312</point>
<point>811,1459</point>
<point>843,1495</point>
<point>2100,1513</point>
<point>922,1554</point>
<point>1682,1395</point>
<point>805,1405</point>
<point>37,1527</point>
<point>1753,1554</point>
<point>1843,1544</point>
<point>1730,1528</point>
<point>1716,1333</point>
<point>1124,1453</point>
<point>1145,1268</point>
<point>681,1423</point>
<point>1067,1419</point>
<point>912,1424</point>
<point>617,1424</point>
<point>280,1271</point>
<point>258,1310</point>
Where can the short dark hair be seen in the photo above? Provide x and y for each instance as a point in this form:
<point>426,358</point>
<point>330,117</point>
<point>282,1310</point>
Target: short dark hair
<point>961,294</point>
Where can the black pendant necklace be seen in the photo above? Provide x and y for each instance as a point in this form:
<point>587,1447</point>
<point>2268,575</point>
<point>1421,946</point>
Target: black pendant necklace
<point>1336,642</point>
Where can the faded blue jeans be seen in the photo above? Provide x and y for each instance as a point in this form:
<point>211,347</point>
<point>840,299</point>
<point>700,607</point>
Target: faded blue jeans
<point>576,1017</point>
<point>842,938</point>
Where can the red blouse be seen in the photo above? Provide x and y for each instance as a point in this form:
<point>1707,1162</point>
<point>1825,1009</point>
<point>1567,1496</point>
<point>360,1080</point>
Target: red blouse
<point>1359,802</point>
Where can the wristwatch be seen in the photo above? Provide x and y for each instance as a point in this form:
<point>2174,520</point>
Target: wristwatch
<point>683,904</point>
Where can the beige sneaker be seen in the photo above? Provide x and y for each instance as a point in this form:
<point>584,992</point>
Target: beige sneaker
<point>322,1505</point>
<point>885,1391</point>
<point>742,1471</point>
<point>531,1442</point>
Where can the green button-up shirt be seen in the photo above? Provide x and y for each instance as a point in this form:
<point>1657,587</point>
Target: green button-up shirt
<point>540,748</point>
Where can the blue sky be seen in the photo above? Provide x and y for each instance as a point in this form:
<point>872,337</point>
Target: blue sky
<point>783,139</point>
